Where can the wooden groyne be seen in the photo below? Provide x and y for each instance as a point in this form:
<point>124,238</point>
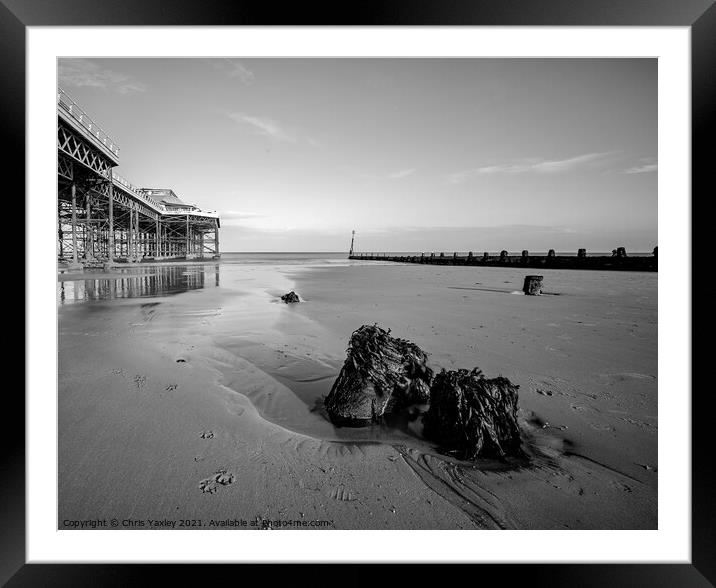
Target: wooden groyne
<point>619,260</point>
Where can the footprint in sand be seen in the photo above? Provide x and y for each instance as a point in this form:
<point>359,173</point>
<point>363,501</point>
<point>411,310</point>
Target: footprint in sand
<point>601,427</point>
<point>207,435</point>
<point>171,387</point>
<point>612,379</point>
<point>621,486</point>
<point>220,478</point>
<point>341,494</point>
<point>557,352</point>
<point>140,381</point>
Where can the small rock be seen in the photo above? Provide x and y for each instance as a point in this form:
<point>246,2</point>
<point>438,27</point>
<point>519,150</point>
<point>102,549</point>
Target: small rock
<point>290,297</point>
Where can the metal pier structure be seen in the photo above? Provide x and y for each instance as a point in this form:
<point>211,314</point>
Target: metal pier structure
<point>103,218</point>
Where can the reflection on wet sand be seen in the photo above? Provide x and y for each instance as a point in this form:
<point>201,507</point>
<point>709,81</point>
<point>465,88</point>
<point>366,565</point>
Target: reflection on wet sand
<point>139,282</point>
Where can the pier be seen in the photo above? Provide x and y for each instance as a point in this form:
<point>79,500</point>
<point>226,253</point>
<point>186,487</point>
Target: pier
<point>104,219</point>
<point>618,260</point>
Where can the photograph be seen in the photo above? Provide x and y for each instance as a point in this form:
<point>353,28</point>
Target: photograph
<point>357,293</point>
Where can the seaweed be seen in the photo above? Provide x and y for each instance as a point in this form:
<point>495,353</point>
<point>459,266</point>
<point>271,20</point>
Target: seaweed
<point>380,376</point>
<point>473,416</point>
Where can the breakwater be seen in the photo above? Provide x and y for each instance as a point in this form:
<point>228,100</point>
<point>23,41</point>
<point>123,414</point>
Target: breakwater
<point>618,260</point>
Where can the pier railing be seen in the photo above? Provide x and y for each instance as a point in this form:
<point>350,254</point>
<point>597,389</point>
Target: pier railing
<point>137,192</point>
<point>67,103</point>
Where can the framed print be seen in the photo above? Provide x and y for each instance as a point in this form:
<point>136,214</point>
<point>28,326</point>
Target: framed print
<point>393,288</point>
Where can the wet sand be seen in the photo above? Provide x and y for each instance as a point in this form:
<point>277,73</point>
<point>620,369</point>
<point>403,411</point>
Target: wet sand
<point>190,392</point>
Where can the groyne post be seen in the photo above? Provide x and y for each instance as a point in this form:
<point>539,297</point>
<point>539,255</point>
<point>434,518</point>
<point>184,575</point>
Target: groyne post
<point>532,285</point>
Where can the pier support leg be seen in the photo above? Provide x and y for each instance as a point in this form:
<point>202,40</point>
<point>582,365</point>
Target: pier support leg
<point>217,252</point>
<point>110,239</point>
<point>130,236</point>
<point>89,232</point>
<point>75,262</point>
<point>138,239</point>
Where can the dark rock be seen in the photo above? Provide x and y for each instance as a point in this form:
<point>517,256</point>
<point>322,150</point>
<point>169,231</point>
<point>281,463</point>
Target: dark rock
<point>473,416</point>
<point>290,297</point>
<point>380,376</point>
<point>532,285</point>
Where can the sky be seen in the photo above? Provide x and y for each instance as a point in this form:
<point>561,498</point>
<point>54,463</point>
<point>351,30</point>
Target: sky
<point>413,154</point>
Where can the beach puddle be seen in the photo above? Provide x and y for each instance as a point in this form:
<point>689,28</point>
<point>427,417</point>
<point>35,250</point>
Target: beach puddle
<point>288,390</point>
<point>135,282</point>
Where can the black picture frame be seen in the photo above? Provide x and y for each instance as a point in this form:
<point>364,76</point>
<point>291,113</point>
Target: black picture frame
<point>699,15</point>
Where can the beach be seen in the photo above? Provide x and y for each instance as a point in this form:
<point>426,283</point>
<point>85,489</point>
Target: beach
<point>189,396</point>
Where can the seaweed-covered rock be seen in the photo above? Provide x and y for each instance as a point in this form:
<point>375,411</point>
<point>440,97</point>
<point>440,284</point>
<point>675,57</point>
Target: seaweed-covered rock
<point>473,416</point>
<point>381,375</point>
<point>290,297</point>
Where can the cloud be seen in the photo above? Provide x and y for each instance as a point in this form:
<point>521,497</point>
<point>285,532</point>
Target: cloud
<point>234,69</point>
<point>239,218</point>
<point>647,165</point>
<point>403,173</point>
<point>78,73</point>
<point>273,129</point>
<point>512,237</point>
<point>263,126</point>
<point>238,215</point>
<point>533,166</point>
